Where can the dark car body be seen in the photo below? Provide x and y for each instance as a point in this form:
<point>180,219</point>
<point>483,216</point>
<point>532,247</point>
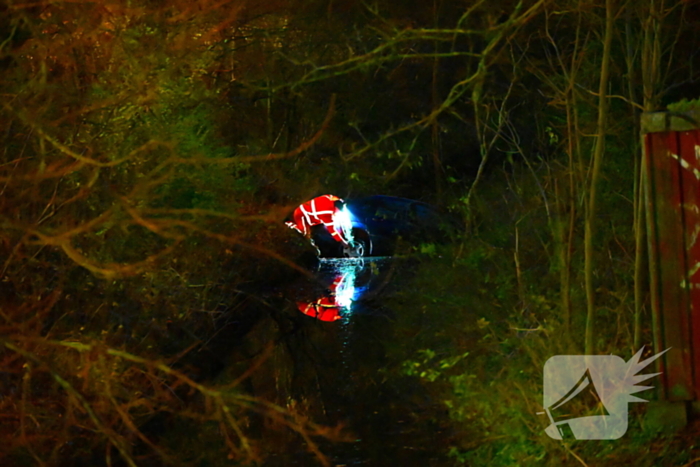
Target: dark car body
<point>379,223</point>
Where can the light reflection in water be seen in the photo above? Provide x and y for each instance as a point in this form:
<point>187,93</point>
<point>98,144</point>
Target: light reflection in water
<point>340,286</point>
<point>350,280</point>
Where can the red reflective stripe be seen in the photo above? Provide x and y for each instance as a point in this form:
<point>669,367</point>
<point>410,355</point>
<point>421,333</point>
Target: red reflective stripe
<point>321,205</point>
<point>334,233</point>
<point>320,210</point>
<point>311,309</point>
<point>327,311</point>
<point>307,217</point>
<point>316,215</point>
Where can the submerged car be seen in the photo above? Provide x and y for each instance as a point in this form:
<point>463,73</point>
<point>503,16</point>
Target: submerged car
<point>375,225</point>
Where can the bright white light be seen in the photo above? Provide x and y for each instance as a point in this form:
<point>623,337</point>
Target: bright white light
<point>342,221</point>
<point>345,290</point>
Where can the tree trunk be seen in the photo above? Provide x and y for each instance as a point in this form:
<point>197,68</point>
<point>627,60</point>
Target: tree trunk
<point>595,175</point>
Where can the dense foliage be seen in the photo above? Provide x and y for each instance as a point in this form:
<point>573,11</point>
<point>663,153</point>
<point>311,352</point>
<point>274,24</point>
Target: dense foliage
<point>151,150</point>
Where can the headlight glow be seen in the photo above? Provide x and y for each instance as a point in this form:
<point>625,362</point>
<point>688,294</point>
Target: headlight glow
<point>342,222</point>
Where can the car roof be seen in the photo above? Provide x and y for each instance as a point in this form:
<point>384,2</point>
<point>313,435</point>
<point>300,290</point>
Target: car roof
<point>395,202</point>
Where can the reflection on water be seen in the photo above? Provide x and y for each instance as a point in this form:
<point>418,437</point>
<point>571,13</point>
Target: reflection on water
<point>346,280</point>
<point>339,343</point>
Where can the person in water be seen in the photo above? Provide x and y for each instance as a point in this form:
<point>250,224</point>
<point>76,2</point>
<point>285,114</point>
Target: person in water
<point>319,211</point>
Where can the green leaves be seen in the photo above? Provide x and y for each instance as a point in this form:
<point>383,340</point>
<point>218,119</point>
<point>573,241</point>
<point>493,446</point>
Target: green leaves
<point>684,105</point>
<point>430,368</point>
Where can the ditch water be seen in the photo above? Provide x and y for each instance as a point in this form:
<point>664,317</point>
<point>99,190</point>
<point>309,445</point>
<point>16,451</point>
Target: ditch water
<point>338,353</point>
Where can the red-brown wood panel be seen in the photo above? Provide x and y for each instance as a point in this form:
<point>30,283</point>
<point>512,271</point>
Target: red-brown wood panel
<point>672,302</point>
<point>687,208</point>
<point>689,143</point>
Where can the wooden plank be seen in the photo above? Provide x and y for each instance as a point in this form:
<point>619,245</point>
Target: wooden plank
<point>689,147</point>
<point>673,300</point>
<point>676,323</point>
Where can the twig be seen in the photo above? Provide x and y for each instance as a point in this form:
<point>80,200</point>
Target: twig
<point>574,454</point>
<point>111,435</point>
<point>293,421</point>
<point>269,157</point>
<point>128,421</point>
